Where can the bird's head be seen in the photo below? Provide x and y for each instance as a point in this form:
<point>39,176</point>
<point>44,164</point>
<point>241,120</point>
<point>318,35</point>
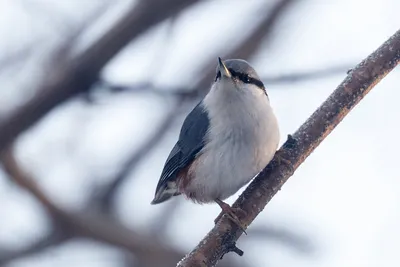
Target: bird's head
<point>239,73</point>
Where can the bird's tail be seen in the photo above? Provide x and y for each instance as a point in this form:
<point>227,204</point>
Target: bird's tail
<point>164,193</point>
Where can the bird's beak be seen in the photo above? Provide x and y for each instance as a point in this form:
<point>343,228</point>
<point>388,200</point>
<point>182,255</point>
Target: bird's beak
<point>223,69</point>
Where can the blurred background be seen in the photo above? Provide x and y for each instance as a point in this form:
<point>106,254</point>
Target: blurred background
<point>93,94</point>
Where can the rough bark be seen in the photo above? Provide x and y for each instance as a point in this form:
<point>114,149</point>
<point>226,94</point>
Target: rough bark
<point>359,81</point>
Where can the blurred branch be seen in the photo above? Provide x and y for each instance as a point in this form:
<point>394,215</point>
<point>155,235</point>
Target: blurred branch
<point>158,60</point>
<point>306,75</point>
<point>80,73</point>
<point>58,57</point>
<point>91,226</point>
<point>108,194</point>
<point>264,29</point>
<point>148,250</point>
<point>222,238</point>
<point>267,80</point>
<point>244,49</point>
<point>251,44</point>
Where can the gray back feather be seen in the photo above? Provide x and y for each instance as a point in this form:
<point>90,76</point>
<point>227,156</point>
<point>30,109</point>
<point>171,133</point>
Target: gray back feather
<point>190,143</point>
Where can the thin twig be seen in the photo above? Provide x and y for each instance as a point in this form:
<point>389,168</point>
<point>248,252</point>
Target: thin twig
<point>222,238</point>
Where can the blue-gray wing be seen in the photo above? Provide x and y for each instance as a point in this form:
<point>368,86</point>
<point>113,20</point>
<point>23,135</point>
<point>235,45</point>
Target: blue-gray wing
<point>190,143</point>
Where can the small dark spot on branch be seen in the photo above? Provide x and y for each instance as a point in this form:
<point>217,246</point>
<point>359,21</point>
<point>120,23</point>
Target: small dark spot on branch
<point>231,247</point>
<point>290,143</point>
<point>237,250</point>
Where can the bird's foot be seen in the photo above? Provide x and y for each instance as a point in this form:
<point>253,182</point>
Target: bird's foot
<point>281,159</point>
<point>232,214</point>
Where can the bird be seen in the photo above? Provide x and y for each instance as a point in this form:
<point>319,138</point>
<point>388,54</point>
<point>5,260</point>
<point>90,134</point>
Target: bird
<point>224,142</point>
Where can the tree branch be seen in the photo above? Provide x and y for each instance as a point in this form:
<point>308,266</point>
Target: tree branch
<point>221,239</point>
<point>83,71</point>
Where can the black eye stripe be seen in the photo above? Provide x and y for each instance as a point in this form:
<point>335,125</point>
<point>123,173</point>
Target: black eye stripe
<point>247,79</point>
<point>244,78</point>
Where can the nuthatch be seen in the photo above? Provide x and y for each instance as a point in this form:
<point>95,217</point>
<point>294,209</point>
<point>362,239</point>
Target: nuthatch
<point>225,141</point>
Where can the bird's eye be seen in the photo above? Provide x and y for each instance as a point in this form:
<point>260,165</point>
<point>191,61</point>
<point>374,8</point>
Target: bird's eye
<point>218,76</point>
<point>245,78</point>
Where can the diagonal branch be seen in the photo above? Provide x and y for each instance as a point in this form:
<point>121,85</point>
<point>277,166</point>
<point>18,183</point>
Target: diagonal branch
<point>222,238</point>
<point>93,226</point>
<point>83,70</point>
<point>149,250</point>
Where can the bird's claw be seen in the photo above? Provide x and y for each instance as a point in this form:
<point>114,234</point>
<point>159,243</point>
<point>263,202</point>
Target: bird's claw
<point>232,214</point>
<point>281,159</point>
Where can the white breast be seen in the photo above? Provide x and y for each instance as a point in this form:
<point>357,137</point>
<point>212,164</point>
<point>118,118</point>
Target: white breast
<point>241,141</point>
